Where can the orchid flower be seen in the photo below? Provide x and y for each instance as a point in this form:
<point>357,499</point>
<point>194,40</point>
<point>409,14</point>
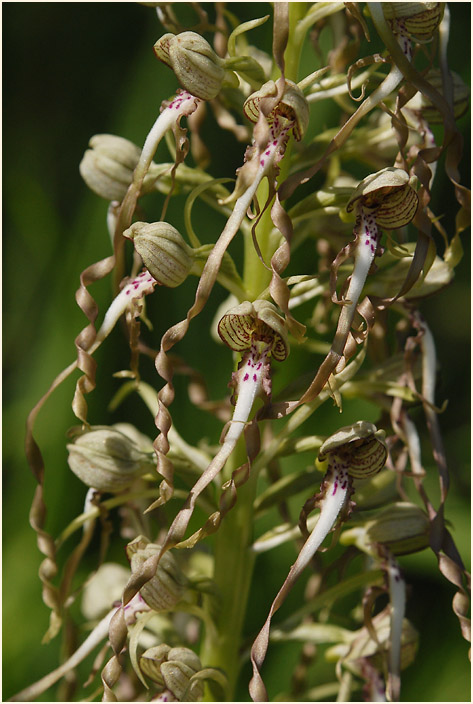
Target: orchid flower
<point>258,331</point>
<point>357,451</point>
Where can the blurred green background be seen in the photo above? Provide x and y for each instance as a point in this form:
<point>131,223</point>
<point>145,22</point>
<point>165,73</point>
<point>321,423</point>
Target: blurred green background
<point>72,70</point>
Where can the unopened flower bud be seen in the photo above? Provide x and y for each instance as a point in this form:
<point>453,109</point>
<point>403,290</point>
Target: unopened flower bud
<point>172,670</point>
<point>106,459</point>
<point>363,646</point>
<point>293,106</point>
<point>163,250</point>
<point>103,589</point>
<point>164,590</point>
<point>403,528</point>
<point>417,19</point>
<point>248,322</point>
<point>389,194</point>
<point>461,98</point>
<point>361,448</point>
<point>107,167</point>
<point>196,65</point>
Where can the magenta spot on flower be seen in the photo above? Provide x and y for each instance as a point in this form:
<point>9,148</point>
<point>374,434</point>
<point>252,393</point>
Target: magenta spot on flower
<point>246,377</point>
<point>135,286</point>
<point>268,152</point>
<point>259,366</point>
<point>275,142</point>
<point>127,291</point>
<point>255,378</point>
<point>335,487</point>
<point>262,162</point>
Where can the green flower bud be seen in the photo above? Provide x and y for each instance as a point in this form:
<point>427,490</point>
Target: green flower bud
<point>103,589</point>
<point>248,322</point>
<point>163,250</point>
<point>461,98</point>
<point>363,646</point>
<point>293,106</point>
<point>107,167</point>
<point>392,272</point>
<point>360,446</point>
<point>387,192</point>
<point>403,528</point>
<point>106,459</point>
<point>197,67</point>
<point>172,669</point>
<point>419,19</point>
<point>165,589</point>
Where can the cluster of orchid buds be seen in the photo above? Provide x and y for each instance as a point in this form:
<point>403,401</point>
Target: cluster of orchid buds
<point>170,622</point>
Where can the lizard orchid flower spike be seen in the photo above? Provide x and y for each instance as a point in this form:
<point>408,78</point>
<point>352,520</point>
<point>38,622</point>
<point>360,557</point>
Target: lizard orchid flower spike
<point>357,451</point>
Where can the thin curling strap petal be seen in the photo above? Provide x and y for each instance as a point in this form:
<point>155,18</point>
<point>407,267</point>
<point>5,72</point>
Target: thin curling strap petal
<point>337,489</point>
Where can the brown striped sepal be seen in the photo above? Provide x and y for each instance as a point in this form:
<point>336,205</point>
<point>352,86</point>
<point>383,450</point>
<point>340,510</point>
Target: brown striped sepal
<point>360,447</point>
<point>419,19</point>
<point>257,321</point>
<point>389,194</point>
<point>293,106</point>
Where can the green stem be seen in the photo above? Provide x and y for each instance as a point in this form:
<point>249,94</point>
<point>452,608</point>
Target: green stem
<point>256,276</point>
<point>232,575</point>
<point>234,559</point>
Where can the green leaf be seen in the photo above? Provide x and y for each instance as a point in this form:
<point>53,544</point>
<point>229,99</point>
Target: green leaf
<point>244,27</point>
<point>247,67</point>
